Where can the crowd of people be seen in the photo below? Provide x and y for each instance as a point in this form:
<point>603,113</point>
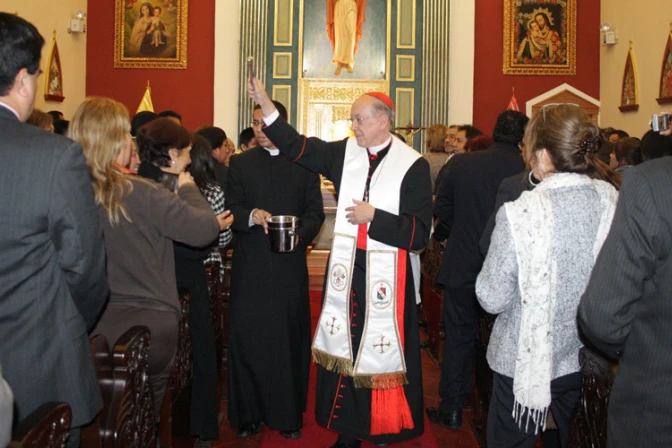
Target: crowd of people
<point>559,228</point>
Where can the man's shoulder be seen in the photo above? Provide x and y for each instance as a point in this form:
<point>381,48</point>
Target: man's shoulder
<point>29,137</point>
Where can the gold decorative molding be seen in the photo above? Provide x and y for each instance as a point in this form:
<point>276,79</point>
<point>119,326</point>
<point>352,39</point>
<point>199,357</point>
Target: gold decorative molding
<point>406,9</point>
<point>282,65</point>
<point>283,23</point>
<point>405,68</point>
<point>338,94</point>
<point>405,106</point>
<point>283,94</point>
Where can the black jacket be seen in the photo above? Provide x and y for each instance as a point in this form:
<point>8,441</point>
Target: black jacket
<point>464,202</point>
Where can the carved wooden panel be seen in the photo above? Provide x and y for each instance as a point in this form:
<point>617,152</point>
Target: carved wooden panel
<point>482,381</point>
<point>46,427</point>
<point>589,427</point>
<point>131,421</point>
<point>93,433</point>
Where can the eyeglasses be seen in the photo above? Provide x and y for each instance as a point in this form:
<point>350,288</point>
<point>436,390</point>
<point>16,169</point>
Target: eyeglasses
<point>358,121</point>
<point>451,137</point>
<point>256,124</point>
<point>545,107</point>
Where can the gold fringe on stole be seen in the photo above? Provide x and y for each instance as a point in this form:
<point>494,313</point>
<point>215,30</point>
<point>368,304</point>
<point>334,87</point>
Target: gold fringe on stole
<point>332,363</point>
<point>387,381</point>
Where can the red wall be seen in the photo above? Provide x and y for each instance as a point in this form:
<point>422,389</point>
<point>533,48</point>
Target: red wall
<point>492,89</point>
<point>189,92</point>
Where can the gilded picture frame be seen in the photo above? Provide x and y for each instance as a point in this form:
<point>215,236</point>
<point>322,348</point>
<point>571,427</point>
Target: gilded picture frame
<point>540,37</point>
<point>630,84</point>
<point>665,87</point>
<point>53,88</point>
<point>150,34</point>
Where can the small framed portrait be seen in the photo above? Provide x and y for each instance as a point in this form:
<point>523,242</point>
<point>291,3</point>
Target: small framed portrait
<point>539,37</point>
<point>665,92</point>
<point>150,34</point>
<point>630,84</point>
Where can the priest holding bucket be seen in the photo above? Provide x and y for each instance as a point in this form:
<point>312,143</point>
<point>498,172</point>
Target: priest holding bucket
<point>369,383</point>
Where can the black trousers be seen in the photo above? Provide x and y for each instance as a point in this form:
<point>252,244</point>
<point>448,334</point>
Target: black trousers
<point>460,320</point>
<point>503,431</point>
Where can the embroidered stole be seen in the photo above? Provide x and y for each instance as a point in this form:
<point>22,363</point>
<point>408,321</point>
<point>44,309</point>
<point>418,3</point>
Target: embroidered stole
<point>379,364</point>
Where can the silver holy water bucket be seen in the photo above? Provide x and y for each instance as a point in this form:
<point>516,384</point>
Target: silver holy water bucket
<point>282,231</point>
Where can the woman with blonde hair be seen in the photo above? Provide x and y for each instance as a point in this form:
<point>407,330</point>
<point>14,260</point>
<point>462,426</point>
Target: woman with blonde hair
<point>140,221</point>
<point>436,149</point>
<point>542,252</point>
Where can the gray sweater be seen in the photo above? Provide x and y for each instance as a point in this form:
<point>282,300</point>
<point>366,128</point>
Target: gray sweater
<point>140,261</point>
<point>577,212</point>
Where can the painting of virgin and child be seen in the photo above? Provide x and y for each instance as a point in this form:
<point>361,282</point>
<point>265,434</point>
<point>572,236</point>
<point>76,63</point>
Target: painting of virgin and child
<point>540,36</point>
<point>151,31</point>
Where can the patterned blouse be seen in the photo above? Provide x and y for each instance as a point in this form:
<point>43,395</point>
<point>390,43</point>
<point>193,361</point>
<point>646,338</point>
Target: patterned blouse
<point>215,196</point>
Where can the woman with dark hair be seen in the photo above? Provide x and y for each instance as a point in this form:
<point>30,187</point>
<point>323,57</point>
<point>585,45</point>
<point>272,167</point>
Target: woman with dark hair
<point>542,251</point>
<point>202,168</point>
<point>165,150</point>
<point>190,274</point>
<point>140,221</point>
<point>628,153</point>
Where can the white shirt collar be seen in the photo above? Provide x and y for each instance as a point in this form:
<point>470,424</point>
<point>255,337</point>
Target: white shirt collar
<point>377,149</point>
<point>272,152</point>
<point>11,109</point>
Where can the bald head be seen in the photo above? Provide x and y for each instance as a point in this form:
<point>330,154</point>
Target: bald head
<point>372,120</point>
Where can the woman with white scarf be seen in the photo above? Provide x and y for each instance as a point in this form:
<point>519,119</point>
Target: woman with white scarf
<point>542,252</point>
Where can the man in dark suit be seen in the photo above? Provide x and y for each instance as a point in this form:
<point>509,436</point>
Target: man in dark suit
<point>626,311</point>
<point>464,202</point>
<point>52,269</point>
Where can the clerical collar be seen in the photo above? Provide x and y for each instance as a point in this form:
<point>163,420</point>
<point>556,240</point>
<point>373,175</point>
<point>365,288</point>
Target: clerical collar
<point>272,152</point>
<point>377,149</point>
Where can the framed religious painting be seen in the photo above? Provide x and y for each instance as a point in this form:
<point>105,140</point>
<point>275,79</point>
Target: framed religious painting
<point>665,92</point>
<point>630,84</point>
<point>53,89</point>
<point>150,34</point>
<point>540,37</point>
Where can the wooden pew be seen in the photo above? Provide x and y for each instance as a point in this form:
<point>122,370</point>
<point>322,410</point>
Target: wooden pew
<point>47,427</point>
<point>174,419</point>
<point>127,418</point>
<point>589,424</point>
<point>131,421</point>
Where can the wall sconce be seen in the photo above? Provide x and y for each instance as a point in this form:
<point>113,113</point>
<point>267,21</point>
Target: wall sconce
<point>78,24</point>
<point>608,34</point>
